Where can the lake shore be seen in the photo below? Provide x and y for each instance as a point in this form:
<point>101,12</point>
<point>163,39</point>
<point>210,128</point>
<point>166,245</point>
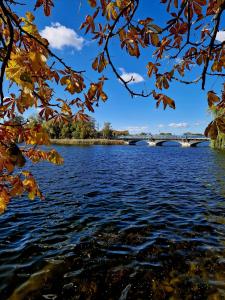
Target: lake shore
<point>86,142</point>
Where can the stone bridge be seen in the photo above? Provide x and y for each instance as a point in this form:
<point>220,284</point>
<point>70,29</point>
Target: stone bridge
<point>159,140</point>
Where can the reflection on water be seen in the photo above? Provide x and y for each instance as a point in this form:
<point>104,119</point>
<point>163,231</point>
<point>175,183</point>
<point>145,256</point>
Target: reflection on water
<point>119,222</point>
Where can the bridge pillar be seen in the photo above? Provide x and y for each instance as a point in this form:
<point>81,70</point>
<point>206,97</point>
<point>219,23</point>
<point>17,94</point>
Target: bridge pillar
<point>185,144</point>
<point>152,143</point>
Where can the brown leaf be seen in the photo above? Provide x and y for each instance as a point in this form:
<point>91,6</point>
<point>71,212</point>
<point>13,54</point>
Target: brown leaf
<point>211,131</point>
<point>95,64</point>
<point>92,3</point>
<point>212,98</point>
<point>48,4</point>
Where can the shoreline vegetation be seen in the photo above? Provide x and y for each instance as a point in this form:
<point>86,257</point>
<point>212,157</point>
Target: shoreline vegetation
<point>87,142</point>
<point>88,133</point>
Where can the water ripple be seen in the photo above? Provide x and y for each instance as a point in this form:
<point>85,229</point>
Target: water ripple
<point>119,223</point>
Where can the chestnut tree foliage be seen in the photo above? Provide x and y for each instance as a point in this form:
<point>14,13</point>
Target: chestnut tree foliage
<point>30,69</point>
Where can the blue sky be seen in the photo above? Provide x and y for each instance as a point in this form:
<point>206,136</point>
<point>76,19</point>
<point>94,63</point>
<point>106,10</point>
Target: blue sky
<point>124,112</point>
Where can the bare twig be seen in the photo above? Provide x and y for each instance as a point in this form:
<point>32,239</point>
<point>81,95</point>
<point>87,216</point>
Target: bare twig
<point>211,44</point>
<point>8,52</point>
<point>106,50</point>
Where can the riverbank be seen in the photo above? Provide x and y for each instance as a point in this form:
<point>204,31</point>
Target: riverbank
<point>86,142</point>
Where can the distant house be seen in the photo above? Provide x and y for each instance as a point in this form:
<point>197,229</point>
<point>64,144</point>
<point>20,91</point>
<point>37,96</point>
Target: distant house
<point>193,134</point>
<point>165,133</point>
<point>116,133</point>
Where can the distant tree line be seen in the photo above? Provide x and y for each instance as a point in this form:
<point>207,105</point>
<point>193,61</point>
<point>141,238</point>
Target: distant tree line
<point>79,130</point>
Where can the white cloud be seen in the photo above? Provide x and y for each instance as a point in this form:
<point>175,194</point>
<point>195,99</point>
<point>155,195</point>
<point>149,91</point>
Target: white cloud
<point>60,36</point>
<point>178,125</point>
<point>161,126</point>
<point>220,36</point>
<point>137,129</point>
<point>131,77</point>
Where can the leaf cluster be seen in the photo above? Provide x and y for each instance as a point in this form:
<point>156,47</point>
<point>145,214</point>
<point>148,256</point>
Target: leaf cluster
<point>32,69</point>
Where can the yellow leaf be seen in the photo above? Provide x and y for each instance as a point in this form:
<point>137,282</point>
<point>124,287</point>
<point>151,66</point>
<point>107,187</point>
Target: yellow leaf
<point>38,60</point>
<point>4,199</point>
<point>30,16</point>
<point>110,11</point>
<point>66,109</point>
<point>31,187</point>
<point>54,157</point>
<point>16,70</point>
<point>26,173</point>
<point>103,96</point>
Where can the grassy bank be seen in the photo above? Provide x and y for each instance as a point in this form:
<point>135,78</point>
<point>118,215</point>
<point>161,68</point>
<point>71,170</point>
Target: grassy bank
<point>86,142</point>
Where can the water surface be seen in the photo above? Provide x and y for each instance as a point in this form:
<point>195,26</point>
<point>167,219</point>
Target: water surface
<point>119,222</point>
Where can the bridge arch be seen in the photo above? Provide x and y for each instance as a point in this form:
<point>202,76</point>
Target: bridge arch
<point>161,142</point>
<point>195,143</point>
<point>157,140</point>
<point>183,143</point>
<point>134,142</point>
<point>131,142</point>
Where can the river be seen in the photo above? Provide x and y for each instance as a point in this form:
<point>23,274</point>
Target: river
<point>119,222</point>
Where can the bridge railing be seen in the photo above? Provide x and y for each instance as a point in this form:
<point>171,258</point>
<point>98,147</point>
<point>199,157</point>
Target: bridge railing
<point>160,137</point>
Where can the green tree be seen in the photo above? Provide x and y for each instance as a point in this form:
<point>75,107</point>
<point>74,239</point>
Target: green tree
<point>65,132</point>
<point>87,129</point>
<point>70,129</point>
<point>107,130</point>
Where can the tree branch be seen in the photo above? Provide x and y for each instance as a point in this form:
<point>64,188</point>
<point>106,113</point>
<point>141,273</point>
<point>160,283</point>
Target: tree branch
<point>9,50</point>
<point>216,29</point>
<point>52,54</point>
<point>106,50</point>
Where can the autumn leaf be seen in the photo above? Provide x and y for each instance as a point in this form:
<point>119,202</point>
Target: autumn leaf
<point>211,131</point>
<point>15,155</point>
<point>47,4</point>
<point>152,68</point>
<point>17,186</point>
<point>92,3</point>
<point>95,64</point>
<point>30,186</point>
<point>212,98</point>
<point>154,39</point>
<point>74,82</point>
<point>164,99</point>
<point>36,135</point>
<point>111,11</point>
<point>4,199</point>
<point>54,157</point>
<point>102,63</point>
